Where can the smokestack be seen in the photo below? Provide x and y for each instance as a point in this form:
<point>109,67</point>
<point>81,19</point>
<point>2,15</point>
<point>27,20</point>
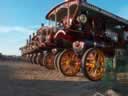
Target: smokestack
<point>33,34</point>
<point>30,38</point>
<point>42,24</point>
<point>27,41</point>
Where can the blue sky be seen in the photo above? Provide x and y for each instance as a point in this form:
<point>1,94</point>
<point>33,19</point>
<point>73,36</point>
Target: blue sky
<point>19,18</point>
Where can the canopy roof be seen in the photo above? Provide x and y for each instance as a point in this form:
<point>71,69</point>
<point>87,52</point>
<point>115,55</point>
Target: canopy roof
<point>60,11</point>
<point>109,17</point>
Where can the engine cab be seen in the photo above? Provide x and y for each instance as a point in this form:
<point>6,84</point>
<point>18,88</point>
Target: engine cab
<point>81,21</point>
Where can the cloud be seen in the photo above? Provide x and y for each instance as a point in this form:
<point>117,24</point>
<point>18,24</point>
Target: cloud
<point>35,26</point>
<point>29,29</point>
<point>123,12</point>
<point>13,37</point>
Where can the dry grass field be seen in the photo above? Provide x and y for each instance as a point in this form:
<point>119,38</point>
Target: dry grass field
<point>23,79</point>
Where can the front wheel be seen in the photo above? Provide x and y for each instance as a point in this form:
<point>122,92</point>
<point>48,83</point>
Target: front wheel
<point>69,63</point>
<point>93,62</point>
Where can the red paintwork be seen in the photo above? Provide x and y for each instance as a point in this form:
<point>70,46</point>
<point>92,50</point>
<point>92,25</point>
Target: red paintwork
<point>44,43</point>
<point>67,37</point>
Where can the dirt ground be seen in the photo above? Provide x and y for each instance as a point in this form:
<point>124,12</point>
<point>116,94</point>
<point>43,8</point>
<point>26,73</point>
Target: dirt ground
<point>23,79</point>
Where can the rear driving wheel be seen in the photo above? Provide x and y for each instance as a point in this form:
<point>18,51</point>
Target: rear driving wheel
<point>69,63</point>
<point>93,62</point>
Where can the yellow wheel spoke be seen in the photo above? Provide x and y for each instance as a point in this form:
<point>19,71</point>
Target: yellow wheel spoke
<point>69,63</point>
<point>95,64</point>
<point>49,61</point>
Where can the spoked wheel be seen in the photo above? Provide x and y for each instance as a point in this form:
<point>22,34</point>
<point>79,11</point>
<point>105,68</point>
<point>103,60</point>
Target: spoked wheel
<point>69,63</point>
<point>31,58</point>
<point>27,57</point>
<point>37,58</point>
<point>49,60</point>
<point>34,58</point>
<point>93,62</point>
<point>42,59</point>
<point>56,61</point>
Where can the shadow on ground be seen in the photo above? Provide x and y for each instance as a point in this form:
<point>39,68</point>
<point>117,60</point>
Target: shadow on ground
<point>11,87</point>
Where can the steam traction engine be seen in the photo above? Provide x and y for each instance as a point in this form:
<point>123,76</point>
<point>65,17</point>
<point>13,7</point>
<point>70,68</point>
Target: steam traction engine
<point>80,38</point>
